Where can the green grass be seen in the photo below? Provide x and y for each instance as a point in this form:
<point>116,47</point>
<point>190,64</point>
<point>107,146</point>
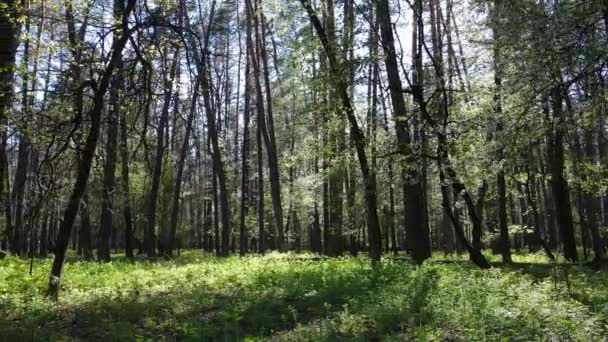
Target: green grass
<point>280,298</point>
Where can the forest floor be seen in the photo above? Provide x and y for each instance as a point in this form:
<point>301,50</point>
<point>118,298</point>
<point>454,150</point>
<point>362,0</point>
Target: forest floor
<point>291,297</point>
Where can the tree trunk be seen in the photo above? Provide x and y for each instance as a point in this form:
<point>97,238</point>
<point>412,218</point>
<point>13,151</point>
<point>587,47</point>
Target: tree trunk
<point>531,198</point>
<point>260,169</point>
<point>109,170</point>
<point>592,202</point>
<point>273,161</point>
<point>417,230</point>
<point>150,213</point>
<point>559,184</point>
<point>478,229</point>
<point>474,253</point>
<point>124,153</point>
<point>369,177</point>
<point>11,27</point>
<point>501,187</point>
<point>218,164</point>
<point>19,243</point>
<point>88,154</point>
<point>85,250</point>
<point>181,161</point>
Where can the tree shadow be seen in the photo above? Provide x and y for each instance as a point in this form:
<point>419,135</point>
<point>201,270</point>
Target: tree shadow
<point>274,300</point>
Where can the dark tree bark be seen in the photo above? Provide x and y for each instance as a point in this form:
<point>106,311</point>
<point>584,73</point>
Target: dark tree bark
<point>532,201</point>
<point>417,230</point>
<point>19,240</point>
<point>181,161</point>
<point>109,169</point>
<point>503,227</point>
<point>88,153</point>
<point>126,211</point>
<point>559,184</point>
<point>244,205</point>
<point>170,243</point>
<point>547,202</point>
<point>152,198</point>
<point>260,204</point>
<point>85,249</point>
<point>478,229</point>
<point>316,244</point>
<point>268,128</point>
<point>593,202</point>
<point>10,28</point>
<point>218,163</point>
<point>334,141</point>
<point>446,171</point>
<point>505,244</point>
<point>244,159</point>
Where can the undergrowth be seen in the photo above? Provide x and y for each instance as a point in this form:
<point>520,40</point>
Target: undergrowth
<point>292,297</point>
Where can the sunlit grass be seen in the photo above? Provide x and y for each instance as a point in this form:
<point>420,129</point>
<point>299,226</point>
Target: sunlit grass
<point>299,297</point>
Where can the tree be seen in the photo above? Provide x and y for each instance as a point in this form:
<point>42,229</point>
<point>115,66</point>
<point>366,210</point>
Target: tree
<point>84,166</point>
<point>369,178</point>
<point>415,219</point>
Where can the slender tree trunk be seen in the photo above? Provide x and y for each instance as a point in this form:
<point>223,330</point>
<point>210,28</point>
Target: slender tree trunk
<point>501,187</point>
<point>109,170</point>
<point>43,248</point>
<point>245,161</point>
<point>316,244</point>
<point>267,119</point>
<point>218,164</point>
<point>124,153</point>
<point>369,177</point>
<point>88,154</point>
<point>478,229</point>
<point>152,198</point>
<point>19,240</point>
<point>181,161</point>
<point>260,169</point>
<point>244,200</point>
<point>503,227</point>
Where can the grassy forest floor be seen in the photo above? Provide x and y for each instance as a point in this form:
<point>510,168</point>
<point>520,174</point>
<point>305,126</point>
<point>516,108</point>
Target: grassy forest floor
<point>290,297</point>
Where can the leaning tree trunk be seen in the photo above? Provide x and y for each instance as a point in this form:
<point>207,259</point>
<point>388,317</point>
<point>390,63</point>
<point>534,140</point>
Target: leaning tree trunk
<point>150,214</point>
<point>88,154</point>
<point>369,177</point>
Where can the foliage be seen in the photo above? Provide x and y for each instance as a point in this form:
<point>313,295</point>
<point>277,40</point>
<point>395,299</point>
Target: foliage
<point>301,297</point>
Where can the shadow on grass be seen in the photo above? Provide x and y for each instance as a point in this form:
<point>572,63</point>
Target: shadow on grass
<point>271,301</point>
